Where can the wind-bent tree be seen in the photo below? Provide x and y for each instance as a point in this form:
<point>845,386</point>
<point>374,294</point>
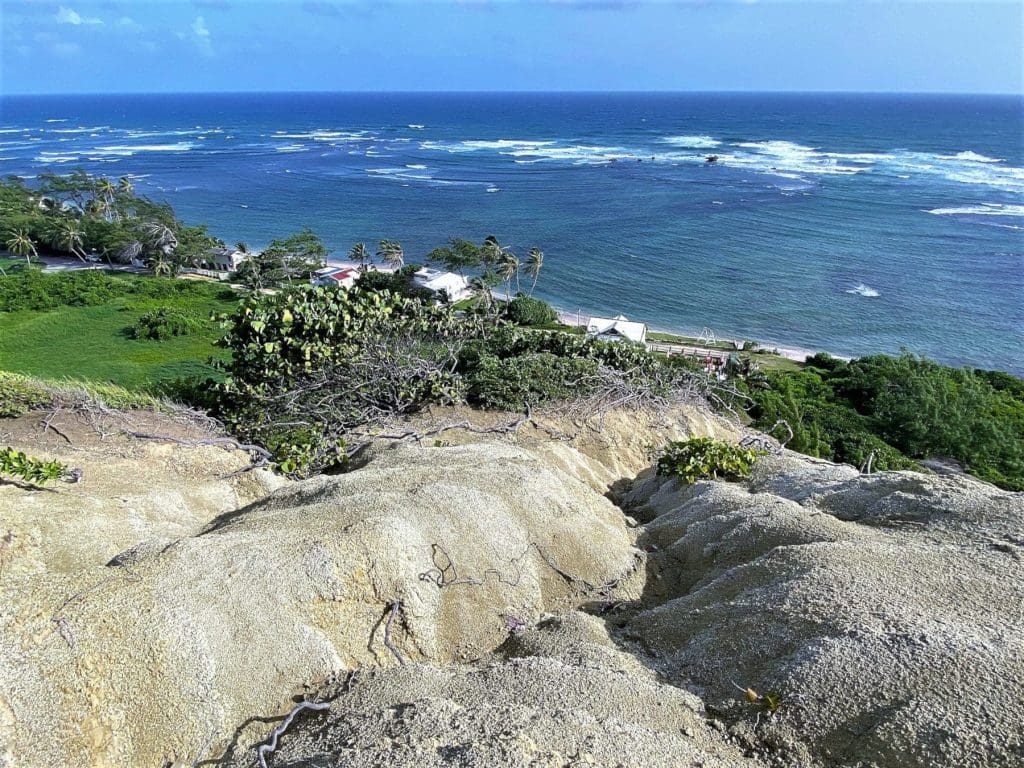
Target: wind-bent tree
<point>508,268</point>
<point>125,186</point>
<point>360,254</point>
<point>458,256</point>
<point>390,252</point>
<point>106,191</point>
<point>20,244</point>
<point>534,264</point>
<point>67,236</point>
<point>242,247</point>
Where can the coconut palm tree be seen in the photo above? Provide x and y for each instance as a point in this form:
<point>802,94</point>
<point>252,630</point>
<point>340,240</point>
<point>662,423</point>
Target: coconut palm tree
<point>534,264</point>
<point>508,268</point>
<point>68,237</point>
<point>361,255</point>
<point>107,192</point>
<point>242,247</point>
<point>125,186</point>
<point>20,244</point>
<point>491,251</point>
<point>390,252</point>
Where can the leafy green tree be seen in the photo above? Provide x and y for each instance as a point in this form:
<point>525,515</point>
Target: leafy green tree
<point>284,261</point>
<point>458,256</point>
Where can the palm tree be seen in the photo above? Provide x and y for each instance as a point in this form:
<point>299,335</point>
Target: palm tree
<point>242,247</point>
<point>534,264</point>
<point>161,264</point>
<point>106,191</point>
<point>20,244</point>
<point>360,254</point>
<point>68,237</point>
<point>508,267</point>
<point>125,186</point>
<point>390,252</point>
<point>491,251</point>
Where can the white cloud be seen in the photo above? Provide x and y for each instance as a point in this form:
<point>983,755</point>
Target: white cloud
<point>201,36</point>
<point>68,16</point>
<point>127,22</point>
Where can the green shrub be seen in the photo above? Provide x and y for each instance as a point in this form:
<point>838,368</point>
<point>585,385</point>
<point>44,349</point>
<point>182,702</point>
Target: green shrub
<point>525,310</point>
<point>28,468</point>
<point>19,395</point>
<point>531,378</point>
<point>165,323</point>
<point>703,458</point>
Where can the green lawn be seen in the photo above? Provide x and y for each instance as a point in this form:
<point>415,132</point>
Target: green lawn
<point>90,342</point>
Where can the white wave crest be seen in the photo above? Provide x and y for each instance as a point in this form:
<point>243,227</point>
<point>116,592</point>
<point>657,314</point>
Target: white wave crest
<point>127,150</point>
<point>985,209</point>
<point>692,142</point>
<point>416,167</point>
<point>973,157</point>
<point>416,126</point>
<point>864,290</point>
<point>324,135</point>
<point>292,148</point>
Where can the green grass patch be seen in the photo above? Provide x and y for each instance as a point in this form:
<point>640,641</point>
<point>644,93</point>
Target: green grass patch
<point>92,342</point>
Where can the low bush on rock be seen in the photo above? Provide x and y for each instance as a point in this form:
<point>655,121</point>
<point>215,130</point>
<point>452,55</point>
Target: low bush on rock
<point>703,458</point>
<point>28,468</point>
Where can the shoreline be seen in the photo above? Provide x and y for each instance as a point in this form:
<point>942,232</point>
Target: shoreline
<point>789,352</point>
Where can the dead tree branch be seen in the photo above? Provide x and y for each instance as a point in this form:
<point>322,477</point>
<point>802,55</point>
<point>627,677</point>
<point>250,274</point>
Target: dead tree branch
<point>271,746</point>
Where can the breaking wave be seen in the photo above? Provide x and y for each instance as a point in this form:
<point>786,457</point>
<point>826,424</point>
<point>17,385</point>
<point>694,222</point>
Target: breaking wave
<point>864,290</point>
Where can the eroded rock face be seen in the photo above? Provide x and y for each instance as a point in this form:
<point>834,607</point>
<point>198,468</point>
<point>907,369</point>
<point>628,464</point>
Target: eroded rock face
<point>887,611</point>
<point>530,621</point>
<point>160,657</point>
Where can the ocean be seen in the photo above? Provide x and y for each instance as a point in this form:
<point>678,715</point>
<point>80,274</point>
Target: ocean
<point>849,223</point>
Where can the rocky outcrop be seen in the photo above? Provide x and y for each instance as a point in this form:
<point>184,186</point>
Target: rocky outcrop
<point>500,610</point>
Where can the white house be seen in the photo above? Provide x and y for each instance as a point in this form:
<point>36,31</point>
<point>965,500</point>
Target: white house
<point>344,276</point>
<point>617,329</point>
<point>226,259</point>
<point>454,286</point>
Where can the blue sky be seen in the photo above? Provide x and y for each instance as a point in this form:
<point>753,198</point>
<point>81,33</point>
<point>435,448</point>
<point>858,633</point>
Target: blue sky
<point>99,46</point>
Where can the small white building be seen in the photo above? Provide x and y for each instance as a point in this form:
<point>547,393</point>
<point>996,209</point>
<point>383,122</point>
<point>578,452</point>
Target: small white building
<point>226,259</point>
<point>454,286</point>
<point>617,329</point>
<point>328,276</point>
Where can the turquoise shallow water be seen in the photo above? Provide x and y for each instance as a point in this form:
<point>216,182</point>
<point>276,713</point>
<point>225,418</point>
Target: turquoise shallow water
<point>849,223</point>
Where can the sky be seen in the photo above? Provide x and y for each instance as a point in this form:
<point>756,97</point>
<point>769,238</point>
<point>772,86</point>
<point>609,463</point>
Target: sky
<point>121,46</point>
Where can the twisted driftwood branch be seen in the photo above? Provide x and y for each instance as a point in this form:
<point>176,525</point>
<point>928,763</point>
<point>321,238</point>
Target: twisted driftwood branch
<point>271,746</point>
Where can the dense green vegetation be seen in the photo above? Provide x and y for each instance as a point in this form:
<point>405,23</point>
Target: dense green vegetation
<point>81,325</point>
<point>897,409</point>
<point>703,458</point>
<point>78,214</point>
<point>313,368</point>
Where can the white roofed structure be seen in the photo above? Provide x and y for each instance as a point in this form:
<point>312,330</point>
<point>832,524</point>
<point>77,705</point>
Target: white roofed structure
<point>617,329</point>
<point>454,286</point>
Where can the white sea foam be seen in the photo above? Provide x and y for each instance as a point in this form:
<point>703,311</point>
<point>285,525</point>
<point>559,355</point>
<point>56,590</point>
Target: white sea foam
<point>53,157</point>
<point>985,209</point>
<point>57,120</point>
<point>292,148</point>
<point>493,189</point>
<point>127,150</point>
<point>416,126</point>
<point>416,167</point>
<point>971,156</point>
<point>323,135</point>
<point>13,130</point>
<point>80,130</point>
<point>692,142</point>
<point>864,290</point>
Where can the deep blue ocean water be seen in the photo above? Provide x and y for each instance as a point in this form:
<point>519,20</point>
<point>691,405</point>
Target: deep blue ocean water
<point>850,223</point>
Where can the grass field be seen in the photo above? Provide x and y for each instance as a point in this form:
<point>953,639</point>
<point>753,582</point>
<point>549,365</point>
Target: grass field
<point>91,342</point>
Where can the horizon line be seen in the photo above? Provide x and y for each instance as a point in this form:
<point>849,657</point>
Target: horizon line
<point>425,92</point>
